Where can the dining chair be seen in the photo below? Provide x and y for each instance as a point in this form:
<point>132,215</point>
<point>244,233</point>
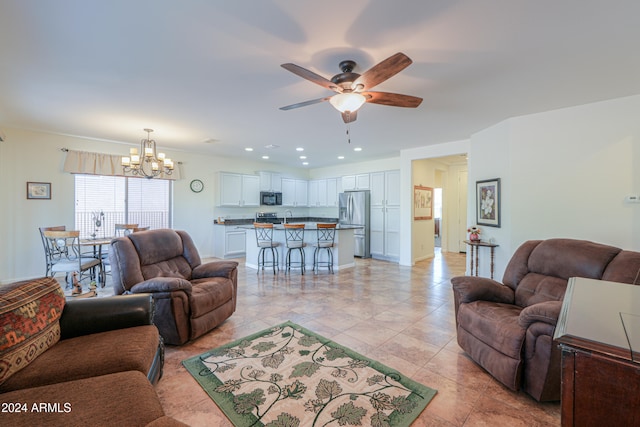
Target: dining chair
<point>264,240</point>
<point>63,249</point>
<point>47,258</point>
<point>124,229</point>
<point>325,241</point>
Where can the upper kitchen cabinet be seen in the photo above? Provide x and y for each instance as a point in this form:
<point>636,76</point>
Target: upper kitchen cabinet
<point>238,189</point>
<point>355,182</point>
<point>270,181</point>
<point>294,192</point>
<point>323,192</point>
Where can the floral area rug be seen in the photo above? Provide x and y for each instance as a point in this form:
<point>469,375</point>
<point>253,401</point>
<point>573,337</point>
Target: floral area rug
<point>289,376</point>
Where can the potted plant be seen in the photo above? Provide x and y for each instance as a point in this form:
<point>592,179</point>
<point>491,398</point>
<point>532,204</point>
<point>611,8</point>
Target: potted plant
<point>474,233</point>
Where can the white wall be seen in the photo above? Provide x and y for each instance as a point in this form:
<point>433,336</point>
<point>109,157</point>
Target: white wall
<point>37,156</point>
<point>423,236</point>
<point>564,173</point>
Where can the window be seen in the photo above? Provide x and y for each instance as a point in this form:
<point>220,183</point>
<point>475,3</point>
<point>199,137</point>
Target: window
<point>122,200</point>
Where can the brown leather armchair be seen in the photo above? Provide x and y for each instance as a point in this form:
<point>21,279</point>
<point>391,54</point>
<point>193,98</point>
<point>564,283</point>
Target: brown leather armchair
<point>507,328</point>
<point>191,298</point>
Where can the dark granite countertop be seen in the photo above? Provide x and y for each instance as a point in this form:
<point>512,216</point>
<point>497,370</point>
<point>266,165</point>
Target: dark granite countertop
<point>250,221</point>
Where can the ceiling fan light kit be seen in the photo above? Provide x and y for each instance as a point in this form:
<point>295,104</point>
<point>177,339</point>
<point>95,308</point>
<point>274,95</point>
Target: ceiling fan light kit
<point>354,90</point>
<point>344,102</point>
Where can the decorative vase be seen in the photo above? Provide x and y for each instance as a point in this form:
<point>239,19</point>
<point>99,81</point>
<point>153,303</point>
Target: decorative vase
<point>474,237</point>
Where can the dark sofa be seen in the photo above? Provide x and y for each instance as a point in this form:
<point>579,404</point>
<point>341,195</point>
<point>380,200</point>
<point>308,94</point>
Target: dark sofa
<point>78,362</point>
<point>508,327</point>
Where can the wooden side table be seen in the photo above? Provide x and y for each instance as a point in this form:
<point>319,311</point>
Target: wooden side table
<point>600,373</point>
<point>475,246</point>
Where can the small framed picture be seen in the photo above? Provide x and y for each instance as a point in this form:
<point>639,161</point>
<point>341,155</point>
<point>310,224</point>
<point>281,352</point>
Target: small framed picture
<point>39,190</point>
<point>422,202</point>
<point>488,202</point>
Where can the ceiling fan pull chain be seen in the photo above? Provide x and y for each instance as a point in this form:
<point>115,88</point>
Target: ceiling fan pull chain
<point>348,134</point>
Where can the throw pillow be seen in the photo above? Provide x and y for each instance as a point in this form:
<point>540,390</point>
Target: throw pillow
<point>29,322</point>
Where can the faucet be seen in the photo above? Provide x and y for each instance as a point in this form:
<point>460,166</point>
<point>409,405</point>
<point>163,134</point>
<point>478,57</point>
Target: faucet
<point>285,215</point>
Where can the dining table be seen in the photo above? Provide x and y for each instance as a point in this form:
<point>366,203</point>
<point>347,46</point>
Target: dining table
<point>97,244</point>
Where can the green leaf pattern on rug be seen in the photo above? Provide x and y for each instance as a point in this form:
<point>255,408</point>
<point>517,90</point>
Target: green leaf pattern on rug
<point>335,401</point>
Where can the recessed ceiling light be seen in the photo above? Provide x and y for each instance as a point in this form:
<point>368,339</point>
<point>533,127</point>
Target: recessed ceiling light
<point>299,149</point>
<point>357,149</point>
<point>270,146</point>
<point>303,157</point>
<point>248,149</point>
<point>340,157</point>
<point>305,163</point>
<point>265,157</point>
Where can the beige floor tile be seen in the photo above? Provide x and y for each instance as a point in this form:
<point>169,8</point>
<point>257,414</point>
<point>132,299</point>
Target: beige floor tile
<point>400,316</point>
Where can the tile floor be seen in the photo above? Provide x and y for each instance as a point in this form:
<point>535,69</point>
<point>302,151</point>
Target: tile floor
<point>400,316</point>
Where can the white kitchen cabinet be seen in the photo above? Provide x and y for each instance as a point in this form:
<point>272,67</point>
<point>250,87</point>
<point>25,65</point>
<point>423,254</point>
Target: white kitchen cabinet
<point>385,215</point>
<point>229,242</point>
<point>355,182</point>
<point>238,189</point>
<point>294,192</point>
<point>270,181</point>
<point>317,193</point>
<point>332,192</point>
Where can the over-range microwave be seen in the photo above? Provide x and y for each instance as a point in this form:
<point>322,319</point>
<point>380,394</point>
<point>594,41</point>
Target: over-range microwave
<point>269,198</point>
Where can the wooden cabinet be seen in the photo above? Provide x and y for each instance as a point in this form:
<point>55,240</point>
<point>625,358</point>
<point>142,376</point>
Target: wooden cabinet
<point>600,380</point>
<point>355,182</point>
<point>228,242</point>
<point>294,192</point>
<point>385,215</point>
<point>238,189</point>
<point>270,181</point>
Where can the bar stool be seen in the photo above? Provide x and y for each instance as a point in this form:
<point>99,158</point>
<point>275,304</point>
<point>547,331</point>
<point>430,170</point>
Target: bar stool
<point>264,240</point>
<point>294,237</point>
<point>326,236</point>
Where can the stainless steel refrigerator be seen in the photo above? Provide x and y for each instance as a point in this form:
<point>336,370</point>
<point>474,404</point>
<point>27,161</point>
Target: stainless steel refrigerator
<point>355,207</point>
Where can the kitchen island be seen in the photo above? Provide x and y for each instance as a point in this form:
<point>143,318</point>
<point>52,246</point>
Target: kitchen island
<point>343,249</point>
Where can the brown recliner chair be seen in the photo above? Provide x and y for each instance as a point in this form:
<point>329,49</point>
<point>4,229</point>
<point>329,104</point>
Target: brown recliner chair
<point>191,298</point>
<point>508,328</point>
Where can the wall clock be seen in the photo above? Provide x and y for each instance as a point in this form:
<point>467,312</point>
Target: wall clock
<point>196,186</point>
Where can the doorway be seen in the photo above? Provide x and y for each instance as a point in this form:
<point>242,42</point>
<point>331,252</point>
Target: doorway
<point>437,217</point>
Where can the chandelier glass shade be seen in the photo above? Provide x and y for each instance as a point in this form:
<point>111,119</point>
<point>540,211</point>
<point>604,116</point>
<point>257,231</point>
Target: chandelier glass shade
<point>347,101</point>
<point>146,162</point>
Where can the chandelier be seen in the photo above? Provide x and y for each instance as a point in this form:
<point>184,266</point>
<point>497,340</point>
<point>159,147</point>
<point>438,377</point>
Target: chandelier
<point>151,164</point>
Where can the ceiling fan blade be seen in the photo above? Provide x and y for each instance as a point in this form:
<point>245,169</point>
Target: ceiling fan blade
<point>305,103</point>
<point>311,76</point>
<point>382,71</point>
<point>349,116</point>
<point>392,99</point>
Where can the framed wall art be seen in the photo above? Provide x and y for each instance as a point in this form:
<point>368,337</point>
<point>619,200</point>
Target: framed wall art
<point>488,202</point>
<point>422,202</point>
<point>39,190</point>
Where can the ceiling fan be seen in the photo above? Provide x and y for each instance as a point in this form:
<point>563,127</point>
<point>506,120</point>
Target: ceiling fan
<point>353,89</point>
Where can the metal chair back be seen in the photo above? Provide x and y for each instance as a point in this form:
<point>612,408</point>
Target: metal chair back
<point>63,248</point>
<point>294,235</point>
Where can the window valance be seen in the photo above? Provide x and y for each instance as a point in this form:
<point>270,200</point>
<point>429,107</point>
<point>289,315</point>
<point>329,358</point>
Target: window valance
<point>102,164</point>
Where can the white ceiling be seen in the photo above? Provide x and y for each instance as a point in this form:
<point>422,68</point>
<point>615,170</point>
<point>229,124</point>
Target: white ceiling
<point>197,70</point>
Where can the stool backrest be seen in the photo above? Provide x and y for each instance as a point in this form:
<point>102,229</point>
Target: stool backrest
<point>294,235</point>
<point>264,233</point>
<point>326,234</point>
